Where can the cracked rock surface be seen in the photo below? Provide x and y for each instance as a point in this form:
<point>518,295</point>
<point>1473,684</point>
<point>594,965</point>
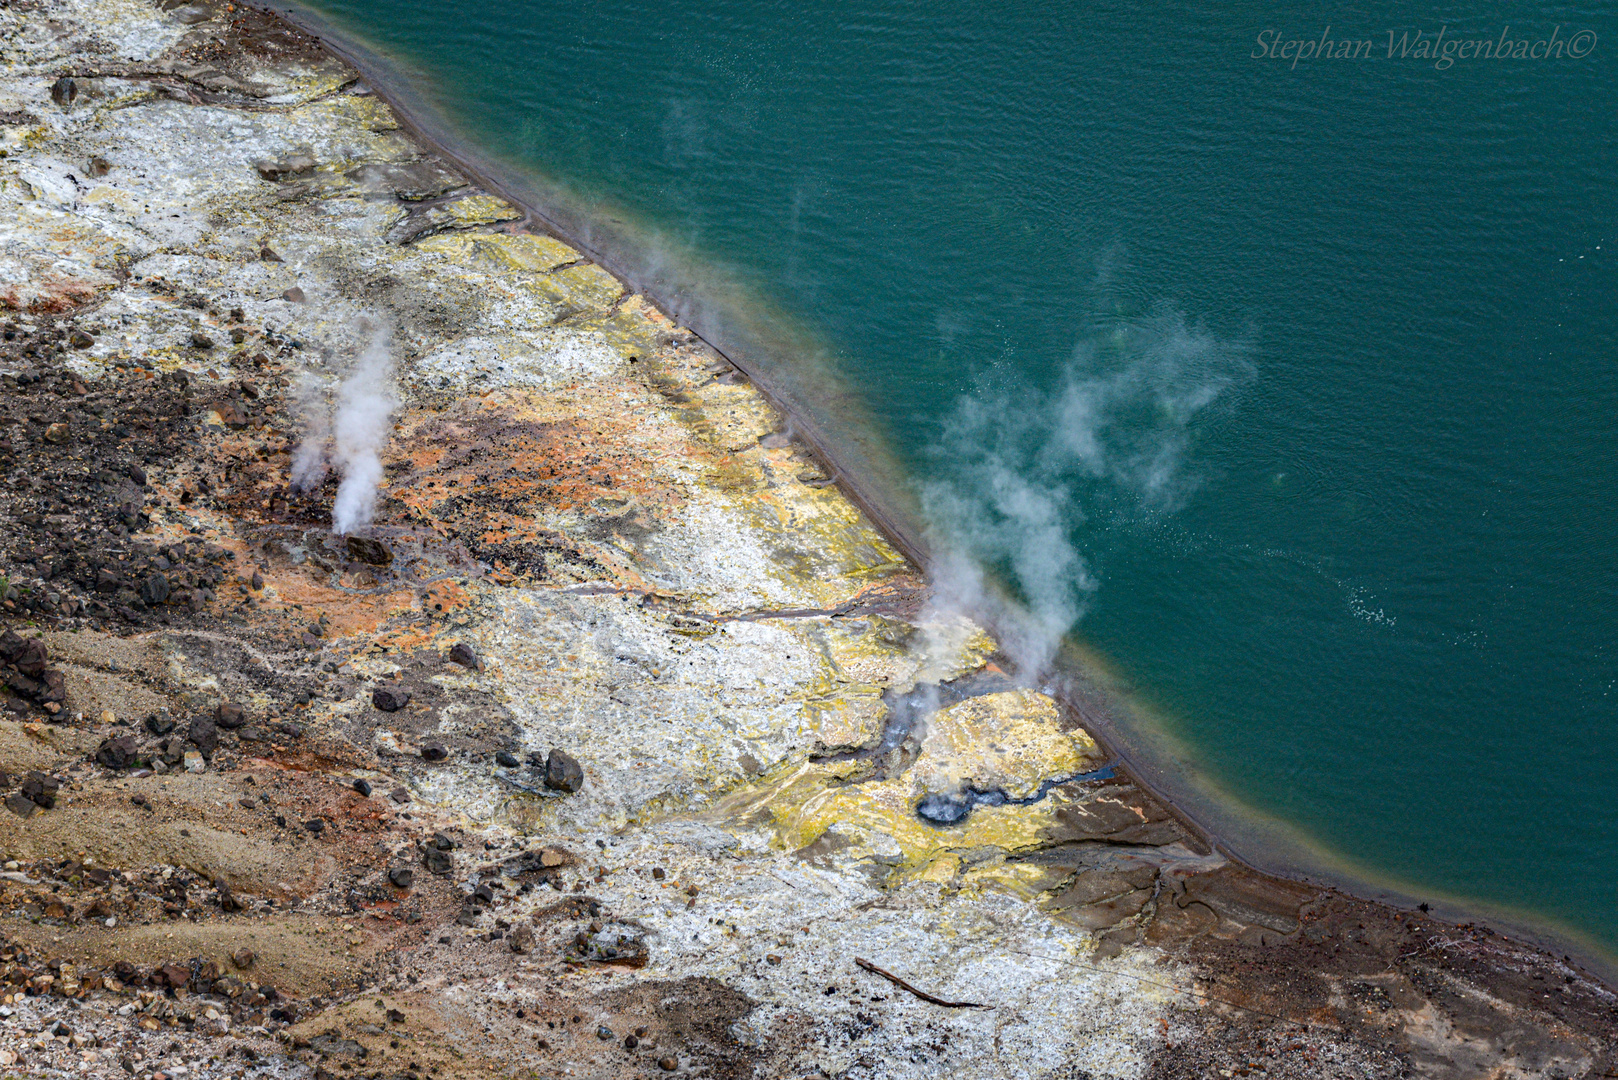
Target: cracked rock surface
<point>600,753</point>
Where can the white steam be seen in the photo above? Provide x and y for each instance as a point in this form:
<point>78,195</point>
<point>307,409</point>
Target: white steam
<point>1026,467</point>
<point>349,434</point>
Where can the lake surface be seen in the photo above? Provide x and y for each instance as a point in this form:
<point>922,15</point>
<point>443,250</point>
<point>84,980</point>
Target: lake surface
<point>1291,388</point>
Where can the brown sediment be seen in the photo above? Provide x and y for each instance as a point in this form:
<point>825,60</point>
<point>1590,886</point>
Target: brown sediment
<point>598,543</point>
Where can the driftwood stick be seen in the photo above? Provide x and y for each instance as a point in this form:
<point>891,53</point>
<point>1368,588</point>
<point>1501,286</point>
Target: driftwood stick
<point>896,981</point>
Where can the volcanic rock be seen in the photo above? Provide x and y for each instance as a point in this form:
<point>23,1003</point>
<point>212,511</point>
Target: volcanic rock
<point>117,753</point>
<point>368,550</point>
<point>563,772</point>
<point>391,699</point>
<point>205,734</point>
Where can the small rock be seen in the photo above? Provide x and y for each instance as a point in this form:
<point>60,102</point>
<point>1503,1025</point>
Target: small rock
<point>194,762</point>
<point>667,1064</point>
<point>242,958</point>
<point>562,772</point>
<point>630,1042</point>
<point>522,940</point>
<point>20,804</point>
<point>99,167</point>
<point>231,715</point>
<point>293,294</point>
<point>363,787</point>
<point>40,790</point>
<point>268,255</point>
<point>402,877</point>
<point>506,759</point>
<point>392,699</point>
<point>117,753</point>
<point>80,340</point>
<point>63,91</point>
<point>439,862</point>
<point>58,434</point>
<point>258,581</point>
<point>315,825</point>
<point>463,654</point>
<point>433,752</point>
<point>368,550</point>
<point>138,475</point>
<point>205,734</point>
<point>604,1033</point>
<point>442,842</point>
<point>160,724</point>
<point>155,589</point>
<point>201,341</point>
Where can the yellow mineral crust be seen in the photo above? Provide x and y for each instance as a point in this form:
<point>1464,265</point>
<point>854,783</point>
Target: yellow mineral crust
<point>1012,742</point>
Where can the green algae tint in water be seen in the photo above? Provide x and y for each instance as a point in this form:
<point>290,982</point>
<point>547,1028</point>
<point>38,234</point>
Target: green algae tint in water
<point>1297,381</point>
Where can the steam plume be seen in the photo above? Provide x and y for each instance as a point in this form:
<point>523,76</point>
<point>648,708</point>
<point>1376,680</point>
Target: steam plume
<point>1027,468</point>
<point>350,437</point>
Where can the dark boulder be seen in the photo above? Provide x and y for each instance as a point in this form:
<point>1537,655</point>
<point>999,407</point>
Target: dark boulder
<point>463,654</point>
<point>41,790</point>
<point>439,862</point>
<point>563,772</point>
<point>402,877</point>
<point>117,753</point>
<point>367,550</point>
<point>390,698</point>
<point>433,752</point>
<point>205,734</point>
<point>155,589</point>
<point>231,715</point>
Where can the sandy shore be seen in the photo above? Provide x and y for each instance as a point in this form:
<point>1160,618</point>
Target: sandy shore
<point>280,805</point>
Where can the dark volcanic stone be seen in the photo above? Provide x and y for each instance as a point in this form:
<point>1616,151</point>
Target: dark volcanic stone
<point>231,715</point>
<point>433,752</point>
<point>31,658</point>
<point>506,759</point>
<point>442,842</point>
<point>155,589</point>
<point>463,654</point>
<point>401,876</point>
<point>40,790</point>
<point>137,474</point>
<point>159,724</point>
<point>117,753</point>
<point>391,699</point>
<point>205,734</point>
<point>363,787</point>
<point>20,804</point>
<point>437,861</point>
<point>63,91</point>
<point>367,550</point>
<point>562,772</point>
<point>315,825</point>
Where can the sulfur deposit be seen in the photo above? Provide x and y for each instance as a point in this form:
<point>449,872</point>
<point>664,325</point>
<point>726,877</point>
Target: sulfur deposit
<point>605,736</point>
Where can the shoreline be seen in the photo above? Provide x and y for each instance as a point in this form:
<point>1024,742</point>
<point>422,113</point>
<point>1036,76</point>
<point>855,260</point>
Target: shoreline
<point>1213,815</point>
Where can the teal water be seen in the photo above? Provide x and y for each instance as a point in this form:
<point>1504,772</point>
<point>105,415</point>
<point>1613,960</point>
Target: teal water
<point>1293,389</point>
